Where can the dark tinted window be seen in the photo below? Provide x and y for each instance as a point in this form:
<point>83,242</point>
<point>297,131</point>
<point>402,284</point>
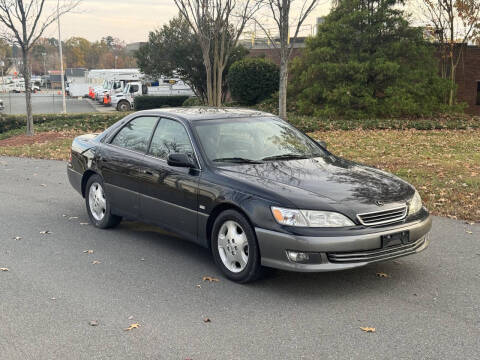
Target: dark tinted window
<point>170,137</point>
<point>136,134</point>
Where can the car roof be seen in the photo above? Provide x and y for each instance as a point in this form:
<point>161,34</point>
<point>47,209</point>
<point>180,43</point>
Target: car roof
<point>205,113</point>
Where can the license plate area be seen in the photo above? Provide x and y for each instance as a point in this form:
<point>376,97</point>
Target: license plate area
<point>395,239</point>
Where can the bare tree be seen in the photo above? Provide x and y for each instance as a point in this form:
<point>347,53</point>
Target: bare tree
<point>25,21</point>
<point>284,20</point>
<point>217,24</point>
<point>454,24</point>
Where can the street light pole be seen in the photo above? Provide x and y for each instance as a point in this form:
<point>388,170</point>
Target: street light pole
<point>61,59</point>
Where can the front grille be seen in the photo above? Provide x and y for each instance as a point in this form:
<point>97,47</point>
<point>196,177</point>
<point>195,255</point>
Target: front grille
<point>375,255</point>
<point>383,217</point>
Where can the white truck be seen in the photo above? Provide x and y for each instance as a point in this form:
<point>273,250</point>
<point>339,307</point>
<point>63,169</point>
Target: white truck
<point>166,87</point>
<point>114,81</point>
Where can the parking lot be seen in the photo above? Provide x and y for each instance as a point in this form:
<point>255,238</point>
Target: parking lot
<point>44,103</point>
<point>427,306</point>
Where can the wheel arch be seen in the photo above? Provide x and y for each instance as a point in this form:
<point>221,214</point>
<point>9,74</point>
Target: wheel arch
<point>216,211</point>
<point>86,175</point>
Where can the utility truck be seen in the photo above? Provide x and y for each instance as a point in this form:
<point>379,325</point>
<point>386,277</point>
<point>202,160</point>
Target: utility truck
<point>163,87</point>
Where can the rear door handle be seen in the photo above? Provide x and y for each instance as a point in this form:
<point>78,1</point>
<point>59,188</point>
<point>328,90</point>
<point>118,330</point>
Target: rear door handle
<point>148,172</point>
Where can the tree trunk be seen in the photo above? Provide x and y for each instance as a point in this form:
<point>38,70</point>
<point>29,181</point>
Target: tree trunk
<point>282,88</point>
<point>451,98</point>
<point>28,92</point>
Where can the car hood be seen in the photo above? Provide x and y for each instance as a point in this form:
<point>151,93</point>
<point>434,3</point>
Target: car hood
<point>325,183</point>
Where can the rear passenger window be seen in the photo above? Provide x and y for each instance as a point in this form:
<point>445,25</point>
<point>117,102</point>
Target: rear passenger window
<point>136,134</point>
<point>170,137</point>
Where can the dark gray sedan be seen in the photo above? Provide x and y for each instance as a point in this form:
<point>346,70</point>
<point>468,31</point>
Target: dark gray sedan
<point>250,187</point>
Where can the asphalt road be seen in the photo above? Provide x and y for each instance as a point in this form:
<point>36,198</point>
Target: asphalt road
<point>428,307</point>
<point>43,103</point>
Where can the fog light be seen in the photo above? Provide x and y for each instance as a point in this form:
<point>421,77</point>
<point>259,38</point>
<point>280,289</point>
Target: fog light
<point>296,256</point>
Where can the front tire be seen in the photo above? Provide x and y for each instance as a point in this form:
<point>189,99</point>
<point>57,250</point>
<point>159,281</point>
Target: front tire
<point>123,106</point>
<point>235,248</point>
<point>98,206</point>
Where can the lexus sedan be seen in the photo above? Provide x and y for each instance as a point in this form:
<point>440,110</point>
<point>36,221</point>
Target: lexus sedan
<point>250,187</point>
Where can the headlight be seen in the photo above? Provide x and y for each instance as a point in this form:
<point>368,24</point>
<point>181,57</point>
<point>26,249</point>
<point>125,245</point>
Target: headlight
<point>415,204</point>
<point>310,218</point>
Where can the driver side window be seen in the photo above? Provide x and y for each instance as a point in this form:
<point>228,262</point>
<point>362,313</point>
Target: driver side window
<point>170,137</point>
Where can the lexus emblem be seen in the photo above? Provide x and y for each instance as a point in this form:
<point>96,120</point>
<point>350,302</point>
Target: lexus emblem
<point>379,203</point>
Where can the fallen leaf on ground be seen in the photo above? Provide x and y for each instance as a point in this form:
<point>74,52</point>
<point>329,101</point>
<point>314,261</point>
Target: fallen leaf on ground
<point>133,326</point>
<point>43,185</point>
<point>72,217</point>
<point>368,329</point>
<point>198,286</point>
<point>53,298</point>
<point>45,232</point>
<point>17,238</point>
<point>88,251</point>
<point>93,323</point>
<point>209,278</point>
<point>3,269</point>
<point>382,275</point>
<point>130,317</point>
<point>207,320</point>
<point>468,232</point>
<point>94,262</point>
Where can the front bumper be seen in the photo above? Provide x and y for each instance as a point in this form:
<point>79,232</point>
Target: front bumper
<point>340,252</point>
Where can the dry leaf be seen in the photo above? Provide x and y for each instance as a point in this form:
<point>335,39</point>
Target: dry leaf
<point>53,298</point>
<point>198,286</point>
<point>209,278</point>
<point>368,329</point>
<point>93,323</point>
<point>382,275</point>
<point>3,269</point>
<point>207,320</point>
<point>130,317</point>
<point>88,251</point>
<point>17,238</point>
<point>468,232</point>
<point>133,326</point>
<point>94,262</point>
<point>43,185</point>
<point>45,232</point>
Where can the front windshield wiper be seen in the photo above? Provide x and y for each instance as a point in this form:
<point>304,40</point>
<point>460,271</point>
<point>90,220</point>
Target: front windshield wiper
<point>286,157</point>
<point>238,160</point>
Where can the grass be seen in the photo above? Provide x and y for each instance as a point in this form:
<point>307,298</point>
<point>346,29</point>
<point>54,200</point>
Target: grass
<point>444,165</point>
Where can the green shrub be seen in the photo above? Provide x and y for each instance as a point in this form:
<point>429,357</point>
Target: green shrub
<point>93,121</point>
<point>193,101</point>
<point>252,80</point>
<point>367,61</point>
<point>154,102</point>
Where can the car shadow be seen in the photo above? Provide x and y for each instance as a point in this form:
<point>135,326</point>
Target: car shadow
<point>385,277</point>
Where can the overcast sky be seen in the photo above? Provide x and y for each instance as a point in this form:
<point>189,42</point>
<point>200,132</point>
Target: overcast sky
<point>129,20</point>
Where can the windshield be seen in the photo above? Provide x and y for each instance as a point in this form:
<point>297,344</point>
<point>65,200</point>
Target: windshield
<point>253,141</point>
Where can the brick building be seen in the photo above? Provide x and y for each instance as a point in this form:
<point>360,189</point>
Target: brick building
<point>468,70</point>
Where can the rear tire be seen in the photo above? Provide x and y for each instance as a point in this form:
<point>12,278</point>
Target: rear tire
<point>98,205</point>
<point>235,248</point>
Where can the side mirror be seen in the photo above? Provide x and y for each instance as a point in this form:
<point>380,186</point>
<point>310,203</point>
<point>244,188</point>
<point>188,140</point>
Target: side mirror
<point>179,160</point>
<point>322,143</point>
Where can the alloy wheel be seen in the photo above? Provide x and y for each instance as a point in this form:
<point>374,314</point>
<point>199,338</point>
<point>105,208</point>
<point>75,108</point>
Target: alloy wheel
<point>233,246</point>
<point>97,201</point>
